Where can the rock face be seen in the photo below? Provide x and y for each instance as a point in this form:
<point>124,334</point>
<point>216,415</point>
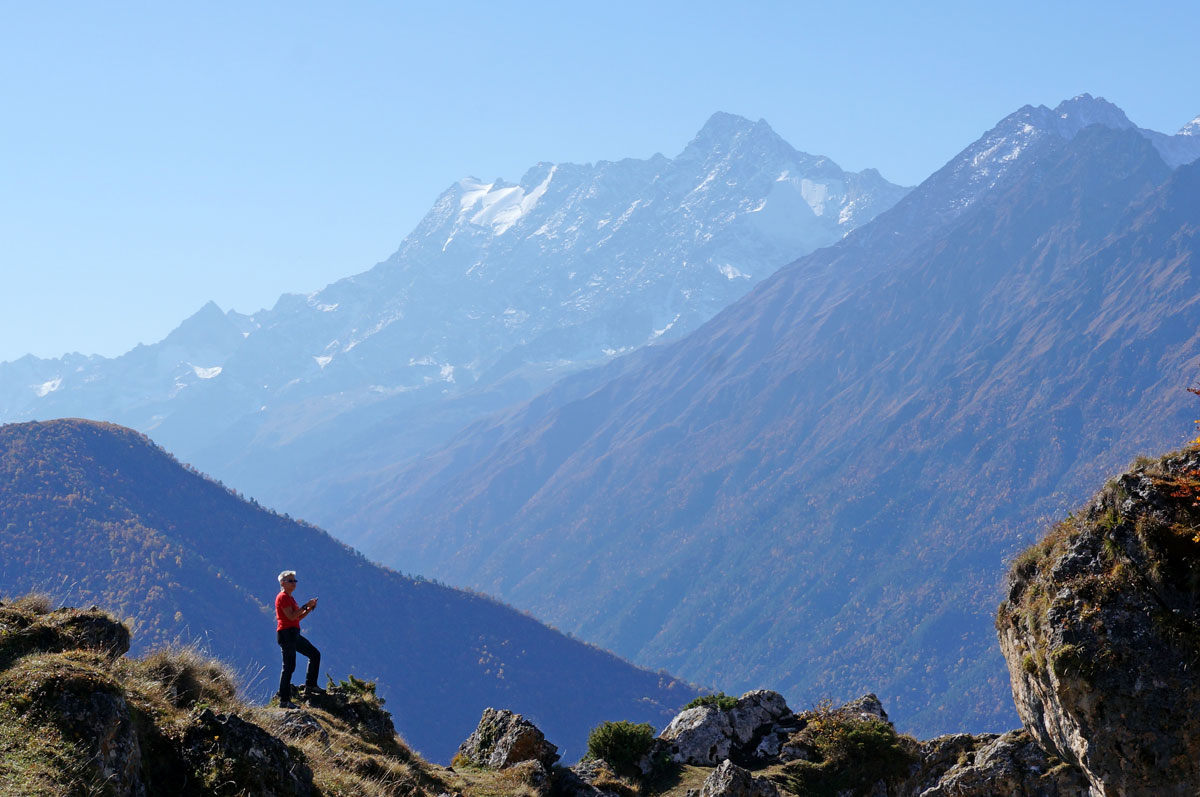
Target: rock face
<point>504,739</point>
<point>224,748</point>
<point>730,780</point>
<point>102,715</point>
<point>1101,633</point>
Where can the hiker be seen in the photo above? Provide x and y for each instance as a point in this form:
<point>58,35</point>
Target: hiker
<point>288,615</point>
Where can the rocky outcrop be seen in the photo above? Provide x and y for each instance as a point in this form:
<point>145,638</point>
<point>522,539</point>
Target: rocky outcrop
<point>853,749</point>
<point>730,780</point>
<point>1101,634</point>
<point>504,739</point>
<point>983,766</point>
<point>100,715</point>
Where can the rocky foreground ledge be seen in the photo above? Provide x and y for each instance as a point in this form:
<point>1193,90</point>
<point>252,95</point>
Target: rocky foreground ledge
<point>755,746</point>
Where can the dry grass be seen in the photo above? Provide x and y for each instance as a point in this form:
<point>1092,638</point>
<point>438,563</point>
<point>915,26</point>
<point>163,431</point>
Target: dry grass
<point>35,603</point>
<point>187,677</point>
<point>474,781</point>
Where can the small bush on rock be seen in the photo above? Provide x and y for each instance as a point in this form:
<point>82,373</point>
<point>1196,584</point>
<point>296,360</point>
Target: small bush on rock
<point>622,744</point>
<point>848,753</point>
<point>720,700</point>
<point>357,687</point>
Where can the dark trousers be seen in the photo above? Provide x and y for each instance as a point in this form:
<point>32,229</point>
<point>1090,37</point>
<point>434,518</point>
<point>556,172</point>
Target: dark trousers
<point>291,643</point>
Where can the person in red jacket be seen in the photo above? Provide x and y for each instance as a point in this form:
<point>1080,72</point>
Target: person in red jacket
<point>288,615</point>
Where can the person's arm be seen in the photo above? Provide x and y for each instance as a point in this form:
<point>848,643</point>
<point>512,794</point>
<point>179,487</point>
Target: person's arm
<point>294,612</point>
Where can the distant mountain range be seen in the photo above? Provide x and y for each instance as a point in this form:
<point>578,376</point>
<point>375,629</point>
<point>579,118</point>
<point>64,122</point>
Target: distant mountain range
<point>500,290</point>
<point>811,491</point>
<point>815,490</point>
<point>96,513</point>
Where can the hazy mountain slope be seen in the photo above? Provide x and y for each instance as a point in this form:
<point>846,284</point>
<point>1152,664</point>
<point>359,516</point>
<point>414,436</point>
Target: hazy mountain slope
<point>500,290</point>
<point>814,490</point>
<point>97,513</point>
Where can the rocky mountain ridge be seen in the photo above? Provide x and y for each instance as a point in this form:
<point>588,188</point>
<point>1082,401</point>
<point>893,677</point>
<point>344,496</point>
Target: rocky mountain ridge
<point>499,290</point>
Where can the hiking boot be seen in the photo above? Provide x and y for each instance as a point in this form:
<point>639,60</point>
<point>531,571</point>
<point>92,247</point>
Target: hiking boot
<point>314,691</point>
<point>287,704</point>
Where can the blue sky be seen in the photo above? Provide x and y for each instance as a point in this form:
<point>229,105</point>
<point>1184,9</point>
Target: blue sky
<point>154,156</point>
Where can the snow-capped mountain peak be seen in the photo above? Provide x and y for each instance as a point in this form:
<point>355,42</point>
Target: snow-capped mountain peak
<point>1192,128</point>
<point>570,266</point>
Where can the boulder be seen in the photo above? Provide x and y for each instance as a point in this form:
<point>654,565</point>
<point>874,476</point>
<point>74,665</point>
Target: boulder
<point>770,747</point>
<point>1101,634</point>
<point>754,713</point>
<point>503,739</point>
<point>301,725</point>
<point>730,780</point>
<point>866,707</point>
<point>707,735</point>
<point>700,736</point>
